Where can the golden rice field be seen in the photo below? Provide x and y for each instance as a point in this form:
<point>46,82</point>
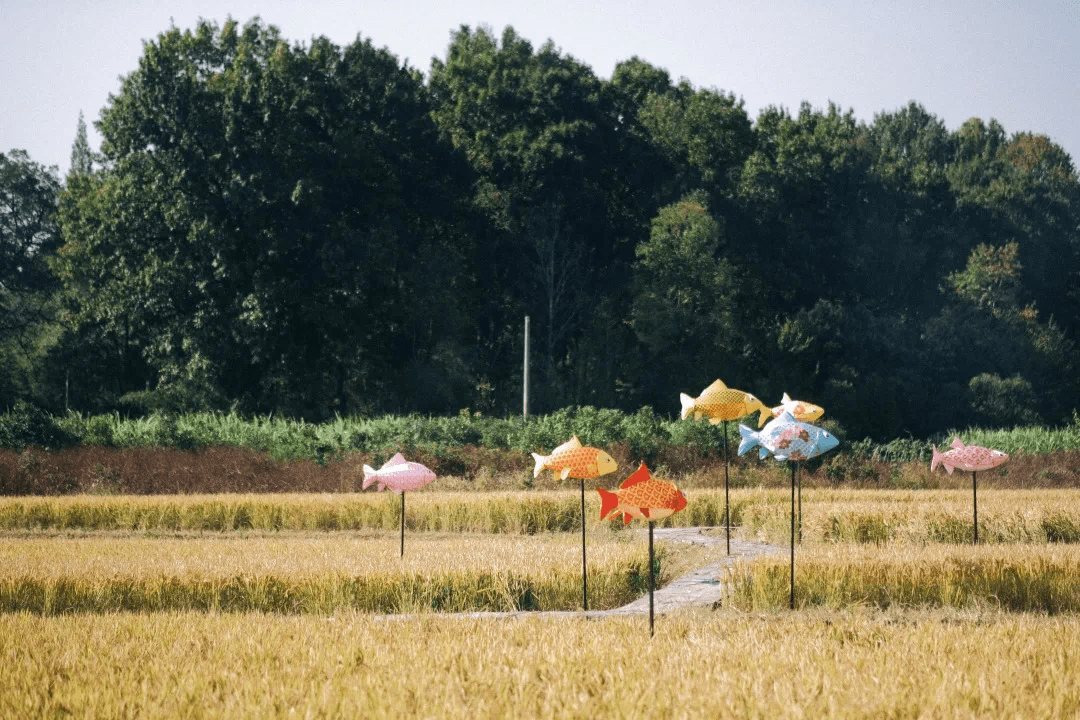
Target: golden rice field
<point>322,573</point>
<point>863,516</point>
<point>912,516</point>
<point>299,606</point>
<point>1025,578</point>
<point>809,664</point>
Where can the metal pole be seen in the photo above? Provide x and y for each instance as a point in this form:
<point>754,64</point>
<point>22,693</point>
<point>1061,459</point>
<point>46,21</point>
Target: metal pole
<point>584,573</point>
<point>402,523</point>
<point>799,475</point>
<point>791,602</point>
<point>525,378</point>
<point>652,579</point>
<point>727,503</point>
<point>975,503</point>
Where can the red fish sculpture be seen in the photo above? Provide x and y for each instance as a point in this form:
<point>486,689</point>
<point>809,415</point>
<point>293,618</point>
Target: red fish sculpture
<point>641,496</point>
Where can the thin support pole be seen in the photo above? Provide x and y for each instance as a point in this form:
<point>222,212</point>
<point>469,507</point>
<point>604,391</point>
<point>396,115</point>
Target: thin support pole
<point>727,504</point>
<point>799,476</point>
<point>791,602</point>
<point>652,579</point>
<point>525,375</point>
<point>584,569</point>
<point>975,505</point>
<point>402,523</point>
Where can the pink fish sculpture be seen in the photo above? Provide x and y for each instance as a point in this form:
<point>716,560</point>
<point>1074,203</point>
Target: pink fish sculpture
<point>398,474</point>
<point>967,457</point>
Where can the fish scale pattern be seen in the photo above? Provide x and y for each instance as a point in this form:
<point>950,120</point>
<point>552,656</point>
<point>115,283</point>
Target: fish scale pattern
<point>967,457</point>
<point>649,494</point>
<point>641,496</point>
<point>718,402</point>
<point>576,460</point>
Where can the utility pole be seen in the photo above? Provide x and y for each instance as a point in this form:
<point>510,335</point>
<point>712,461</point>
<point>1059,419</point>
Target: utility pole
<point>525,381</point>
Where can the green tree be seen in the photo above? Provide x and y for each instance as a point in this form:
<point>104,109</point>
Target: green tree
<point>705,134</point>
<point>276,226</point>
<point>82,158</point>
<point>686,301</point>
<point>28,234</point>
<point>538,132</point>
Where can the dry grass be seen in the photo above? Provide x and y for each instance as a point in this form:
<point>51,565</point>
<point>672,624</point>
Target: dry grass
<point>860,516</point>
<point>426,510</point>
<point>1019,578</point>
<point>318,574</point>
<point>914,516</point>
<point>911,627</point>
<point>837,664</point>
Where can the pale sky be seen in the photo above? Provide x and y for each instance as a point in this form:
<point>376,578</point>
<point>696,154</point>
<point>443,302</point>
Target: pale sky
<point>1017,62</point>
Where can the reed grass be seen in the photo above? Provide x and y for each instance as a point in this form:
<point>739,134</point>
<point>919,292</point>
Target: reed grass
<point>1033,578</point>
<point>822,663</point>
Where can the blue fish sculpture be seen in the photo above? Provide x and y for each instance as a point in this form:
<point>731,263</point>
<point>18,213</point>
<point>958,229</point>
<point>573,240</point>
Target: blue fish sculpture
<point>788,439</point>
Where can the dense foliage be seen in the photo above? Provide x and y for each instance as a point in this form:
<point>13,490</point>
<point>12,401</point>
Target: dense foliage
<point>311,230</point>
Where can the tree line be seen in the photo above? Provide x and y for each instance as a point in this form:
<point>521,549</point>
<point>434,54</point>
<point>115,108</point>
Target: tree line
<point>309,230</point>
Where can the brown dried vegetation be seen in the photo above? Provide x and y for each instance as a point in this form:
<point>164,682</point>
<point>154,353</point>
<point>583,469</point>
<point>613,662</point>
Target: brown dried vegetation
<point>147,471</point>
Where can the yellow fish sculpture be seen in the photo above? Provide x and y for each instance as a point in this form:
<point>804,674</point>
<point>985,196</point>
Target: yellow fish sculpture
<point>718,402</point>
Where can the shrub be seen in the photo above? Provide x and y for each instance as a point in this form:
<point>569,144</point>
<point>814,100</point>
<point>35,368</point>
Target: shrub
<point>27,425</point>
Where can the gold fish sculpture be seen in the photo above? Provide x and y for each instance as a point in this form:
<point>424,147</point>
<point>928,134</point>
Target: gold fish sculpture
<point>718,403</point>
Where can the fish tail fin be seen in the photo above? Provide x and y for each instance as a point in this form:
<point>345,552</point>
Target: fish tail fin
<point>764,416</point>
<point>687,404</point>
<point>540,461</point>
<point>935,460</point>
<point>608,502</point>
<point>369,477</point>
<point>749,439</point>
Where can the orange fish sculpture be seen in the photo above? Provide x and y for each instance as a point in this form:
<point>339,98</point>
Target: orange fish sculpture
<point>799,409</point>
<point>572,459</point>
<point>641,496</point>
<point>718,402</point>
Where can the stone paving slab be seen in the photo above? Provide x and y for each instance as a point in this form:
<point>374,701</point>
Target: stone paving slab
<point>704,586</point>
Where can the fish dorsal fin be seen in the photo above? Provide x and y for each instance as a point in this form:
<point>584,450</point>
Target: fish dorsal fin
<point>786,417</point>
<point>956,444</point>
<point>786,399</point>
<point>639,475</point>
<point>398,459</point>
<point>717,386</point>
<point>571,444</point>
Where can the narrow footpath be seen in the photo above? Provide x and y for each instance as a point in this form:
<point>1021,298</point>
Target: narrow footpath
<point>702,587</point>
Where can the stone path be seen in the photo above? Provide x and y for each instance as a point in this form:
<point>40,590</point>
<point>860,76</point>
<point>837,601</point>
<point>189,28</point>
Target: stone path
<point>702,587</point>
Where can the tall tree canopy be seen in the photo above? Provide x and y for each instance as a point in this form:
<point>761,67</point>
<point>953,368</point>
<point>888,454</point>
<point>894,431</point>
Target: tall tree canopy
<point>310,229</point>
<point>28,236</point>
<point>276,224</point>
